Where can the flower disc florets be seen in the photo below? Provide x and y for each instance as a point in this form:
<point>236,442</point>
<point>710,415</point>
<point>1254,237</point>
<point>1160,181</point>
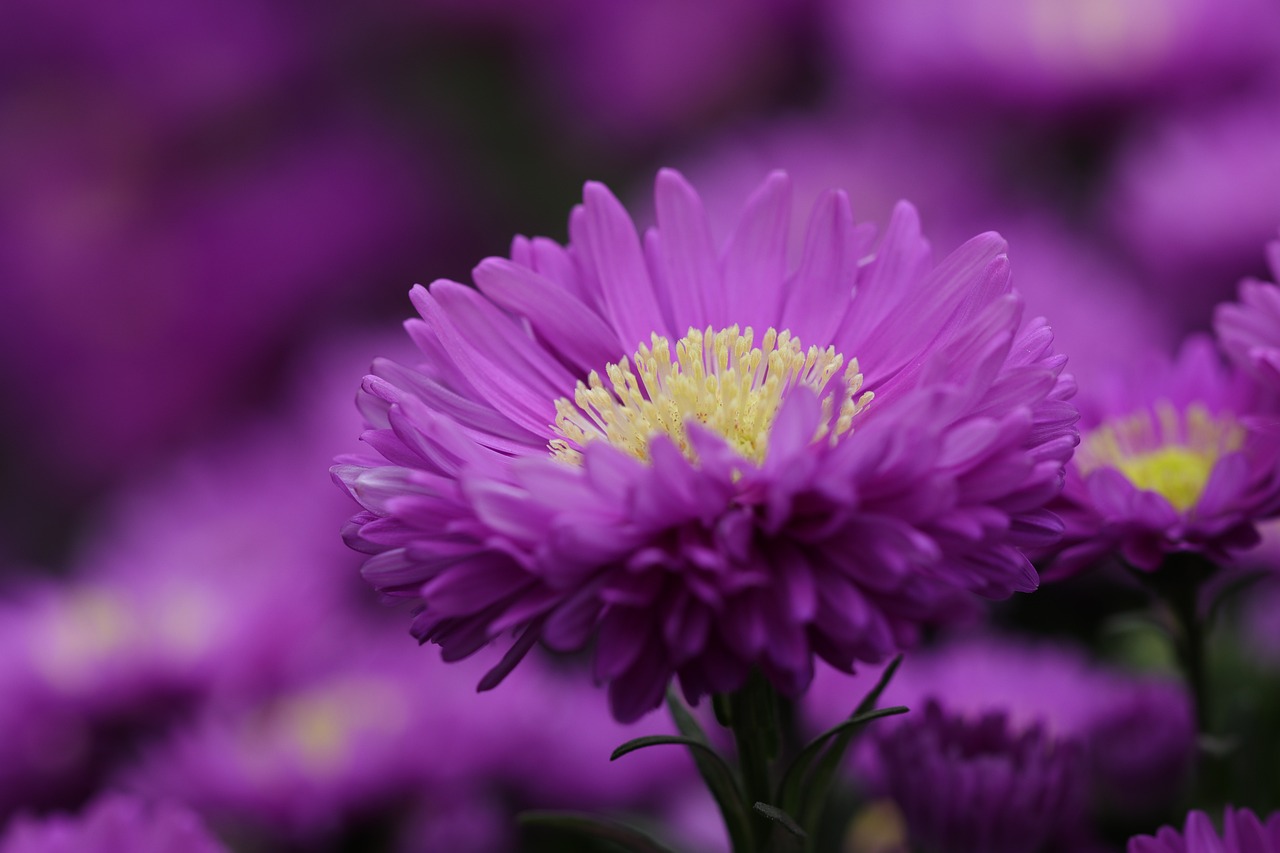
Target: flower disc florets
<point>718,380</point>
<point>711,499</point>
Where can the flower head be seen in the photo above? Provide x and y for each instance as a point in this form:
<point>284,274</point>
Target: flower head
<point>1173,460</point>
<point>975,785</point>
<point>1249,330</point>
<point>1241,832</point>
<point>1136,733</point>
<point>705,460</point>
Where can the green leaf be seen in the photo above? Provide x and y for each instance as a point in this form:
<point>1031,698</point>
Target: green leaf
<point>607,834</point>
<point>718,776</point>
<point>869,701</point>
<point>793,782</point>
<point>659,740</point>
<point>803,792</point>
<point>778,816</point>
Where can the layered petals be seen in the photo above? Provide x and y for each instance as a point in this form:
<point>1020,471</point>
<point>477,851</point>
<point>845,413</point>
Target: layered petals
<point>902,461</point>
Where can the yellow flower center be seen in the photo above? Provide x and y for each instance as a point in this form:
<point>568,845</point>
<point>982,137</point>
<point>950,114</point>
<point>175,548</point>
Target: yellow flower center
<point>1171,453</point>
<point>718,379</point>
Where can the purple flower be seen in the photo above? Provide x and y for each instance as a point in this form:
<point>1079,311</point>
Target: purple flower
<point>778,464</point>
<point>1192,197</point>
<point>1136,733</point>
<point>1051,54</point>
<point>1242,832</point>
<point>113,823</point>
<point>976,785</point>
<point>363,726</point>
<point>1172,458</point>
<point>1249,330</point>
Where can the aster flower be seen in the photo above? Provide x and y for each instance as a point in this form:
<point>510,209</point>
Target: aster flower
<point>1136,734</point>
<point>1242,832</point>
<point>1249,330</point>
<point>703,460</point>
<point>974,785</point>
<point>1170,461</point>
<point>113,823</point>
<point>363,727</point>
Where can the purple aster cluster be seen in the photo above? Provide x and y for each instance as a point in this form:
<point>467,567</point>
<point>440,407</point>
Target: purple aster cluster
<point>910,567</point>
<point>734,505</point>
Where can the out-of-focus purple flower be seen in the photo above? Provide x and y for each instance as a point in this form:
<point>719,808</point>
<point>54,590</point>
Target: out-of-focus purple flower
<point>1136,733</point>
<point>975,785</point>
<point>1242,832</point>
<point>633,71</point>
<point>112,824</point>
<point>1249,330</point>
<point>1171,458</point>
<point>193,587</point>
<point>748,505</point>
<point>363,727</point>
<point>1193,197</point>
<point>1051,53</point>
<point>130,288</point>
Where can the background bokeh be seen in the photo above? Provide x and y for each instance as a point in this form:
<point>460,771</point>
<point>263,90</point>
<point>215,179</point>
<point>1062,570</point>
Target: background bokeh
<point>210,217</point>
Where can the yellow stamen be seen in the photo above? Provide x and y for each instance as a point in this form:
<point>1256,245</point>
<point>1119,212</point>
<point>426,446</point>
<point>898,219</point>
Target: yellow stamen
<point>1172,453</point>
<point>719,379</point>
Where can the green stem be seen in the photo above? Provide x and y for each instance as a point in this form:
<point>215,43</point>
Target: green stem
<point>752,715</point>
<point>1178,583</point>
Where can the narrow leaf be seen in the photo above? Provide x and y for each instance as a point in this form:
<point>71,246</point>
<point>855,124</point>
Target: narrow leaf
<point>869,701</point>
<point>829,763</point>
<point>778,816</point>
<point>717,774</point>
<point>793,787</point>
<point>659,740</point>
<point>595,829</point>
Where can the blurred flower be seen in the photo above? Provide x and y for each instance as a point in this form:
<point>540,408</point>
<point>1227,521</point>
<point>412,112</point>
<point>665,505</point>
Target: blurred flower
<point>190,587</point>
<point>1171,459</point>
<point>1242,832</point>
<point>364,729</point>
<point>130,285</point>
<point>1135,733</point>
<point>977,786</point>
<point>1193,196</point>
<point>1249,330</point>
<point>112,824</point>
<point>1051,53</point>
<point>639,71</point>
<point>777,513</point>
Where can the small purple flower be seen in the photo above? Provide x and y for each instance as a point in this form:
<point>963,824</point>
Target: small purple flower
<point>1136,733</point>
<point>977,785</point>
<point>112,824</point>
<point>705,460</point>
<point>1172,459</point>
<point>1242,832</point>
<point>1249,330</point>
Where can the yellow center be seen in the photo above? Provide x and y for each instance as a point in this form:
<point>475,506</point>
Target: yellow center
<point>1171,453</point>
<point>718,379</point>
